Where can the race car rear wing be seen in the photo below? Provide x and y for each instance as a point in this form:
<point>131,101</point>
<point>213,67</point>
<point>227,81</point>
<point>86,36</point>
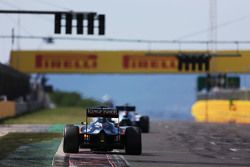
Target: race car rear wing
<point>102,112</point>
<point>125,108</point>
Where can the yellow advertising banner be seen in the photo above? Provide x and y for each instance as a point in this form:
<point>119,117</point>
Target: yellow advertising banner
<point>130,61</point>
<point>91,62</point>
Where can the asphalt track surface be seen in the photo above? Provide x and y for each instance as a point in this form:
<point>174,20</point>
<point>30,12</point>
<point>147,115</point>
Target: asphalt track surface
<point>175,144</point>
<point>188,144</point>
<point>169,143</point>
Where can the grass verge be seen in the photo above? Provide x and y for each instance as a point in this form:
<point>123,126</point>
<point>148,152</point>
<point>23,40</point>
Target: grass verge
<point>10,142</point>
<point>70,115</point>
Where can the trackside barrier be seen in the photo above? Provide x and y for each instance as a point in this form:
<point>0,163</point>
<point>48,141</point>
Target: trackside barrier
<point>222,111</point>
<point>21,108</point>
<point>7,109</point>
<point>11,108</point>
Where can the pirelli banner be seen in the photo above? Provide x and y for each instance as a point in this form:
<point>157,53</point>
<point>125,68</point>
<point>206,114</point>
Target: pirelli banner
<point>130,61</point>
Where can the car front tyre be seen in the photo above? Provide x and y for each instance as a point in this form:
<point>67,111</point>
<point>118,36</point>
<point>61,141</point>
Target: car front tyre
<point>144,124</point>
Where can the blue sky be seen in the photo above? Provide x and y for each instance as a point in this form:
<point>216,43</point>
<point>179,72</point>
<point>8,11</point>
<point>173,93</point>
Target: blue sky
<point>158,95</point>
<point>133,19</point>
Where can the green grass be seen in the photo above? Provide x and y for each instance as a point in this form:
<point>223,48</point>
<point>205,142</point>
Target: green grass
<point>10,142</point>
<point>69,115</point>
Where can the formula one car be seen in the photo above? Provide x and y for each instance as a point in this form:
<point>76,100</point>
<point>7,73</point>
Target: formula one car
<point>129,117</point>
<point>102,134</point>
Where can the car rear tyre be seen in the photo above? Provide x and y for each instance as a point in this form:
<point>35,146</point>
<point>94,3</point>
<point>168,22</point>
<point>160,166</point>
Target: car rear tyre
<point>133,144</point>
<point>144,124</point>
<point>71,139</point>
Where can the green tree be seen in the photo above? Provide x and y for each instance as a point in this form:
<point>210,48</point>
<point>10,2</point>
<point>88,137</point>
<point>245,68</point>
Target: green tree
<point>70,99</point>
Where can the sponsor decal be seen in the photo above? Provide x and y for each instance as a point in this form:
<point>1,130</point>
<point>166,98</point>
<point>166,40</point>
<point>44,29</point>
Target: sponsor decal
<point>150,62</point>
<point>102,112</point>
<point>66,61</point>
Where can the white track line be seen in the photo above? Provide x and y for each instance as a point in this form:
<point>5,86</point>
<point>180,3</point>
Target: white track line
<point>110,161</point>
<point>119,156</point>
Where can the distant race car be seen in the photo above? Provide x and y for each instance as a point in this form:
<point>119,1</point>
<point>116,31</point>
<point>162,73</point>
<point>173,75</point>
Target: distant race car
<point>102,134</point>
<point>129,117</point>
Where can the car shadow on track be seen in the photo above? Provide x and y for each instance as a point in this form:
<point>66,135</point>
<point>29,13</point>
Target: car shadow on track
<point>102,152</point>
